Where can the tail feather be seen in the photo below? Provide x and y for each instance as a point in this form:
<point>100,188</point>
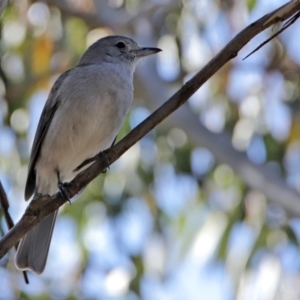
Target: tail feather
<point>33,250</point>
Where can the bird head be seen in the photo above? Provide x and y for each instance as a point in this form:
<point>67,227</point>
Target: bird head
<point>115,49</point>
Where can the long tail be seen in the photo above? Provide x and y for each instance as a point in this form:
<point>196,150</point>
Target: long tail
<point>33,250</point>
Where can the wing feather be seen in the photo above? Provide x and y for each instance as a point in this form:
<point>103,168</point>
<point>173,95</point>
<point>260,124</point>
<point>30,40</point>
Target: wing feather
<point>47,115</point>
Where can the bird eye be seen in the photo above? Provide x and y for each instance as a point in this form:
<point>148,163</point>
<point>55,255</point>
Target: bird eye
<point>120,45</point>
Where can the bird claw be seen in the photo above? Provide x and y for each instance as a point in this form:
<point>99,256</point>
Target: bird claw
<point>62,189</point>
<point>102,154</point>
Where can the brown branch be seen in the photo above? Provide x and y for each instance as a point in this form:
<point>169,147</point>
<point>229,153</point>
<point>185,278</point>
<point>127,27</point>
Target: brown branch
<point>42,206</point>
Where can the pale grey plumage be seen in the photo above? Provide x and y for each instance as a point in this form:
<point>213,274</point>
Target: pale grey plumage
<point>83,113</point>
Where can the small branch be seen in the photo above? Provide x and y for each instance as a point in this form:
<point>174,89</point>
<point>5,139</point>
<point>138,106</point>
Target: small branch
<point>291,21</point>
<point>42,206</point>
<point>10,223</point>
<point>5,206</point>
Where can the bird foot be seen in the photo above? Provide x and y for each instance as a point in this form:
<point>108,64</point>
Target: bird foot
<point>103,155</point>
<point>62,189</point>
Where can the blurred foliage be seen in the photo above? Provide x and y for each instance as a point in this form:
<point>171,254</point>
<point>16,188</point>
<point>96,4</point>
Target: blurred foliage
<point>166,210</point>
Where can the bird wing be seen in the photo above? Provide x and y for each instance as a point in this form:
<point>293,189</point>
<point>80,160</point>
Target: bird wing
<point>47,115</point>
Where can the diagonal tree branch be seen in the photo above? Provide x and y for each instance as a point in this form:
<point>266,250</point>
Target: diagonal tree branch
<point>42,206</point>
<point>274,187</point>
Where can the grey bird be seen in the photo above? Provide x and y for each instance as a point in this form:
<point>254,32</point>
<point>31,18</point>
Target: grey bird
<point>82,116</point>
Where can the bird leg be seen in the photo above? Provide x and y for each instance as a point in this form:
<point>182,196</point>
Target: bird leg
<point>103,154</point>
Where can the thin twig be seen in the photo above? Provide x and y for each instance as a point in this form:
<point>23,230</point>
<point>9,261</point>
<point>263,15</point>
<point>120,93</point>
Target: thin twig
<point>286,25</point>
<point>10,223</point>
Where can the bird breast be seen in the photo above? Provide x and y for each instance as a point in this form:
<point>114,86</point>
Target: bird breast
<point>94,103</point>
